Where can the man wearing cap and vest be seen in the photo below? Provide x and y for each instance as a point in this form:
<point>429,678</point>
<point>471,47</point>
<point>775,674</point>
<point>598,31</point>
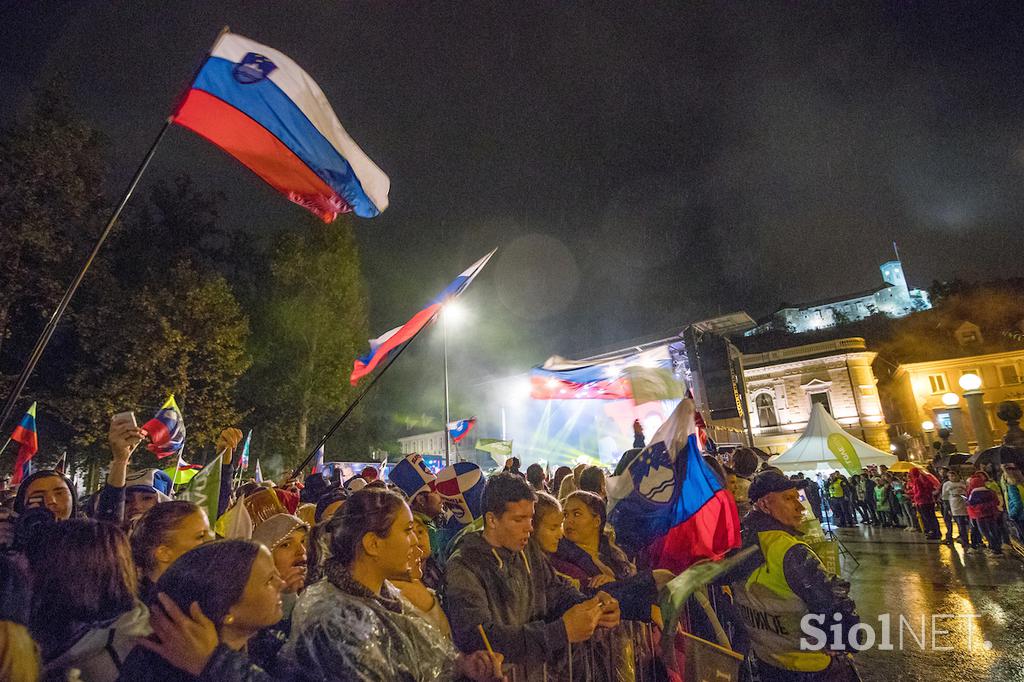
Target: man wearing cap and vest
<point>775,588</point>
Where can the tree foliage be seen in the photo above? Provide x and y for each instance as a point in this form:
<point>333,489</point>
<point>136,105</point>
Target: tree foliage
<point>313,323</point>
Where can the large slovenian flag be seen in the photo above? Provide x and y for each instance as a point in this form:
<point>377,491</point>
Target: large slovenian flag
<point>166,430</point>
<point>561,379</point>
<point>643,376</point>
<point>27,438</point>
<point>383,346</point>
<point>677,511</point>
<point>461,428</point>
<point>261,107</point>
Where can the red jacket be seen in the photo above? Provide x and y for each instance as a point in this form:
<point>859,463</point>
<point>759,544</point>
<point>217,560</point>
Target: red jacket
<point>923,487</point>
<point>982,503</point>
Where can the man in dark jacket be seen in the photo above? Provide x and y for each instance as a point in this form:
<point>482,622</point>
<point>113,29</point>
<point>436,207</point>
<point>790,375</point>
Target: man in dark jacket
<point>785,596</point>
<point>499,580</point>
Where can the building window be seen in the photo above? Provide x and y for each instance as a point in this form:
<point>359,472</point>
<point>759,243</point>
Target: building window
<point>938,383</point>
<point>944,420</point>
<point>766,410</point>
<point>823,400</point>
<point>1008,375</point>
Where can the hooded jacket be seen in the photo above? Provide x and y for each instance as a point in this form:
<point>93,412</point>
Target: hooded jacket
<point>515,596</point>
<point>923,487</point>
<point>982,503</point>
<point>100,650</point>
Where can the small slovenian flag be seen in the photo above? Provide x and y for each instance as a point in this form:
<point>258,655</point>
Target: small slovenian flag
<point>243,459</point>
<point>318,461</point>
<point>458,430</point>
<point>182,464</point>
<point>382,347</point>
<point>166,430</point>
<point>27,438</point>
<point>261,107</point>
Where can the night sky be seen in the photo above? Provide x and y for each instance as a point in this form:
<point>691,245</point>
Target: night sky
<point>640,166</point>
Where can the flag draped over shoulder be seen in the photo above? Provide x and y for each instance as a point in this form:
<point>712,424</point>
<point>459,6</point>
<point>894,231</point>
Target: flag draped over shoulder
<point>166,430</point>
<point>461,428</point>
<point>675,509</point>
<point>258,105</point>
<point>382,347</point>
<point>27,438</point>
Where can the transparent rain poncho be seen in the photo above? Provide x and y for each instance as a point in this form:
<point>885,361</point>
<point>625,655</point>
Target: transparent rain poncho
<point>337,635</point>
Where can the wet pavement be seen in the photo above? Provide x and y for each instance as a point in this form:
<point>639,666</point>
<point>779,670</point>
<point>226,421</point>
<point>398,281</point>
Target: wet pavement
<point>951,615</point>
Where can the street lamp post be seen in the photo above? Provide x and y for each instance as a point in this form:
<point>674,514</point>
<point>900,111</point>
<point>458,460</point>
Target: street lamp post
<point>975,397</point>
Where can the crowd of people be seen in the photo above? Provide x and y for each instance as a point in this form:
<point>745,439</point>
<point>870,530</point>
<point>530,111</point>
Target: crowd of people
<point>358,580</point>
<point>979,506</point>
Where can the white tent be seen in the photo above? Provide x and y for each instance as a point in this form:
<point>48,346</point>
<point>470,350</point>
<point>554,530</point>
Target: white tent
<point>825,446</point>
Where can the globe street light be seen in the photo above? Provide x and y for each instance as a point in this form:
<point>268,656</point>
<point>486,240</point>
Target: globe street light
<point>970,382</point>
<point>927,426</point>
<point>950,399</point>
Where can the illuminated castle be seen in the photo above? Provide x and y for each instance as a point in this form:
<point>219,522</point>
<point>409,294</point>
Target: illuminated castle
<point>894,299</point>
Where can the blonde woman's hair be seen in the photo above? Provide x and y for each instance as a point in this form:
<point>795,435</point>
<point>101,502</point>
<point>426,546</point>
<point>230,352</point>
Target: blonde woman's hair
<point>19,655</point>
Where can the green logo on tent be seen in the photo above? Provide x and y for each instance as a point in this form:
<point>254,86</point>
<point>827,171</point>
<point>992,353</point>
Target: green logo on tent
<point>842,448</point>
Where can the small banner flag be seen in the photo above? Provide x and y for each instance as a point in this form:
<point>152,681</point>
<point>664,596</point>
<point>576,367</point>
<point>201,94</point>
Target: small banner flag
<point>27,438</point>
<point>459,429</point>
<point>204,489</point>
<point>260,107</point>
<point>243,459</point>
<point>259,472</point>
<point>461,486</point>
<point>412,476</point>
<point>318,461</point>
<point>494,446</point>
<point>382,347</point>
<point>166,430</point>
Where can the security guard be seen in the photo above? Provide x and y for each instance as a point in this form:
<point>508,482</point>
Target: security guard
<point>785,581</point>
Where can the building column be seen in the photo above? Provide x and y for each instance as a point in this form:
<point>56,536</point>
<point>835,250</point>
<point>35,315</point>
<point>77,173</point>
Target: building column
<point>979,420</point>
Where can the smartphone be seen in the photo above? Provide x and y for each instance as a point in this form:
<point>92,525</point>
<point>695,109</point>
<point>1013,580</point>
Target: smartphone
<point>124,418</point>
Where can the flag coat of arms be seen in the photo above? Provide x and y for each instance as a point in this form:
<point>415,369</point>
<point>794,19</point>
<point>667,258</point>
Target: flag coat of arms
<point>27,438</point>
<point>385,345</point>
<point>412,476</point>
<point>259,106</point>
<point>166,430</point>
<point>676,510</point>
<point>461,485</point>
<point>461,428</point>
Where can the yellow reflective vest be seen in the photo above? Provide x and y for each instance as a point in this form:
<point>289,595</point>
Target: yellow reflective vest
<point>772,611</point>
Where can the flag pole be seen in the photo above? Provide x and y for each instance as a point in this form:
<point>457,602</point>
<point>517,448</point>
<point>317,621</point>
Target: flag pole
<point>358,399</point>
<point>51,325</point>
<point>447,414</point>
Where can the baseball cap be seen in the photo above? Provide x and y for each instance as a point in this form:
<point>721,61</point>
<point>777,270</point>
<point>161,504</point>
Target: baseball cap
<point>770,482</point>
